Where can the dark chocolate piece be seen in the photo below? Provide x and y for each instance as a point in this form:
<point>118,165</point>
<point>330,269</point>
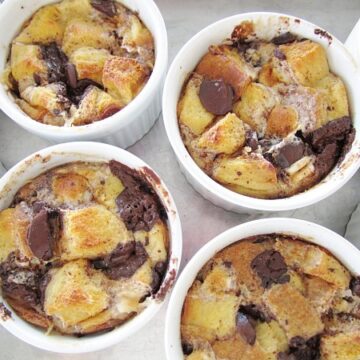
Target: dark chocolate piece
<point>43,233</point>
<point>300,349</point>
<point>55,60</point>
<point>123,261</point>
<point>326,160</point>
<point>355,286</point>
<point>254,311</point>
<point>138,204</point>
<point>288,154</point>
<point>107,7</point>
<point>251,140</point>
<point>333,131</point>
<point>71,76</point>
<point>245,327</point>
<point>284,38</point>
<point>216,96</point>
<point>158,275</point>
<point>270,266</point>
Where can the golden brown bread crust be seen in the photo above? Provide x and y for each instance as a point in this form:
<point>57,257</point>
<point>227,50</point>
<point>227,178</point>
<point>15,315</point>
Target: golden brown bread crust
<point>256,299</point>
<point>97,274</point>
<point>282,92</point>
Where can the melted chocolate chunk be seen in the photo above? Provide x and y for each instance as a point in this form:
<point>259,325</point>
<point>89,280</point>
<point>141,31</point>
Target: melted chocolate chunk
<point>123,261</point>
<point>21,281</point>
<point>107,7</point>
<point>216,96</point>
<point>55,60</point>
<point>71,75</point>
<point>77,93</point>
<point>254,311</point>
<point>43,233</point>
<point>138,204</point>
<point>289,154</point>
<point>300,349</point>
<point>158,275</point>
<point>355,286</point>
<point>37,79</point>
<point>285,38</point>
<point>187,348</point>
<point>245,326</point>
<point>333,131</point>
<point>350,137</point>
<point>271,268</point>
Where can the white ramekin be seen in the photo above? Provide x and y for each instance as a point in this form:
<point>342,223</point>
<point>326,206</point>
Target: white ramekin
<point>56,155</point>
<point>267,25</point>
<point>342,249</point>
<point>123,128</point>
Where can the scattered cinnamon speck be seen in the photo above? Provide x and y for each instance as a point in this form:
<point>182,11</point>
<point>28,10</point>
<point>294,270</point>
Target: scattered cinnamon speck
<point>166,286</point>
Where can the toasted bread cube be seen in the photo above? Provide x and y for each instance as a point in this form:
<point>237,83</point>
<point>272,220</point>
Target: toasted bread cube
<point>236,348</point>
<point>71,189</point>
<point>310,104</point>
<point>74,294</point>
<point>137,34</point>
<point>320,293</point>
<point>240,256</point>
<point>124,78</point>
<point>225,137</point>
<point>307,60</point>
<point>341,346</point>
<point>336,97</point>
<point>26,61</point>
<point>209,318</point>
<point>95,105</point>
<point>89,63</point>
<point>255,106</point>
<point>267,75</point>
<point>249,172</point>
<point>155,241</point>
<point>201,355</point>
<point>7,234</point>
<point>191,112</point>
<point>217,64</point>
<point>34,112</point>
<point>84,239</point>
<point>74,9</point>
<point>46,26</point>
<point>220,279</point>
<point>282,121</point>
<point>80,33</point>
<point>271,338</point>
<point>48,97</point>
<point>293,312</point>
<point>319,263</point>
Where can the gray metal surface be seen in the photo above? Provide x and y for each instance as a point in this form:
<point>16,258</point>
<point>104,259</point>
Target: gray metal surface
<point>200,219</point>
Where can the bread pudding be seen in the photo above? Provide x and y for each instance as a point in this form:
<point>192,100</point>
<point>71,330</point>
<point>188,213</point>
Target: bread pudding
<point>265,117</point>
<point>83,247</point>
<point>79,61</point>
<point>272,297</point>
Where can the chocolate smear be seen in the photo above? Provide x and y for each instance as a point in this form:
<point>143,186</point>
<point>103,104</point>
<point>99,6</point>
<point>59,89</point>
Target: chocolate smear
<point>245,326</point>
<point>270,266</point>
<point>216,96</point>
<point>43,233</point>
<point>107,7</point>
<point>284,38</point>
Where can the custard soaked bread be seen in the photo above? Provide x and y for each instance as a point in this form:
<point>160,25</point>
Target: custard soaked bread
<point>83,247</point>
<point>79,61</point>
<point>265,118</point>
<point>272,297</point>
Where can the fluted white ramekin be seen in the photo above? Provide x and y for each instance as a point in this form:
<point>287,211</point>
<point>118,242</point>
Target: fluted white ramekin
<point>48,158</point>
<point>267,25</point>
<point>342,249</point>
<point>123,128</point>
